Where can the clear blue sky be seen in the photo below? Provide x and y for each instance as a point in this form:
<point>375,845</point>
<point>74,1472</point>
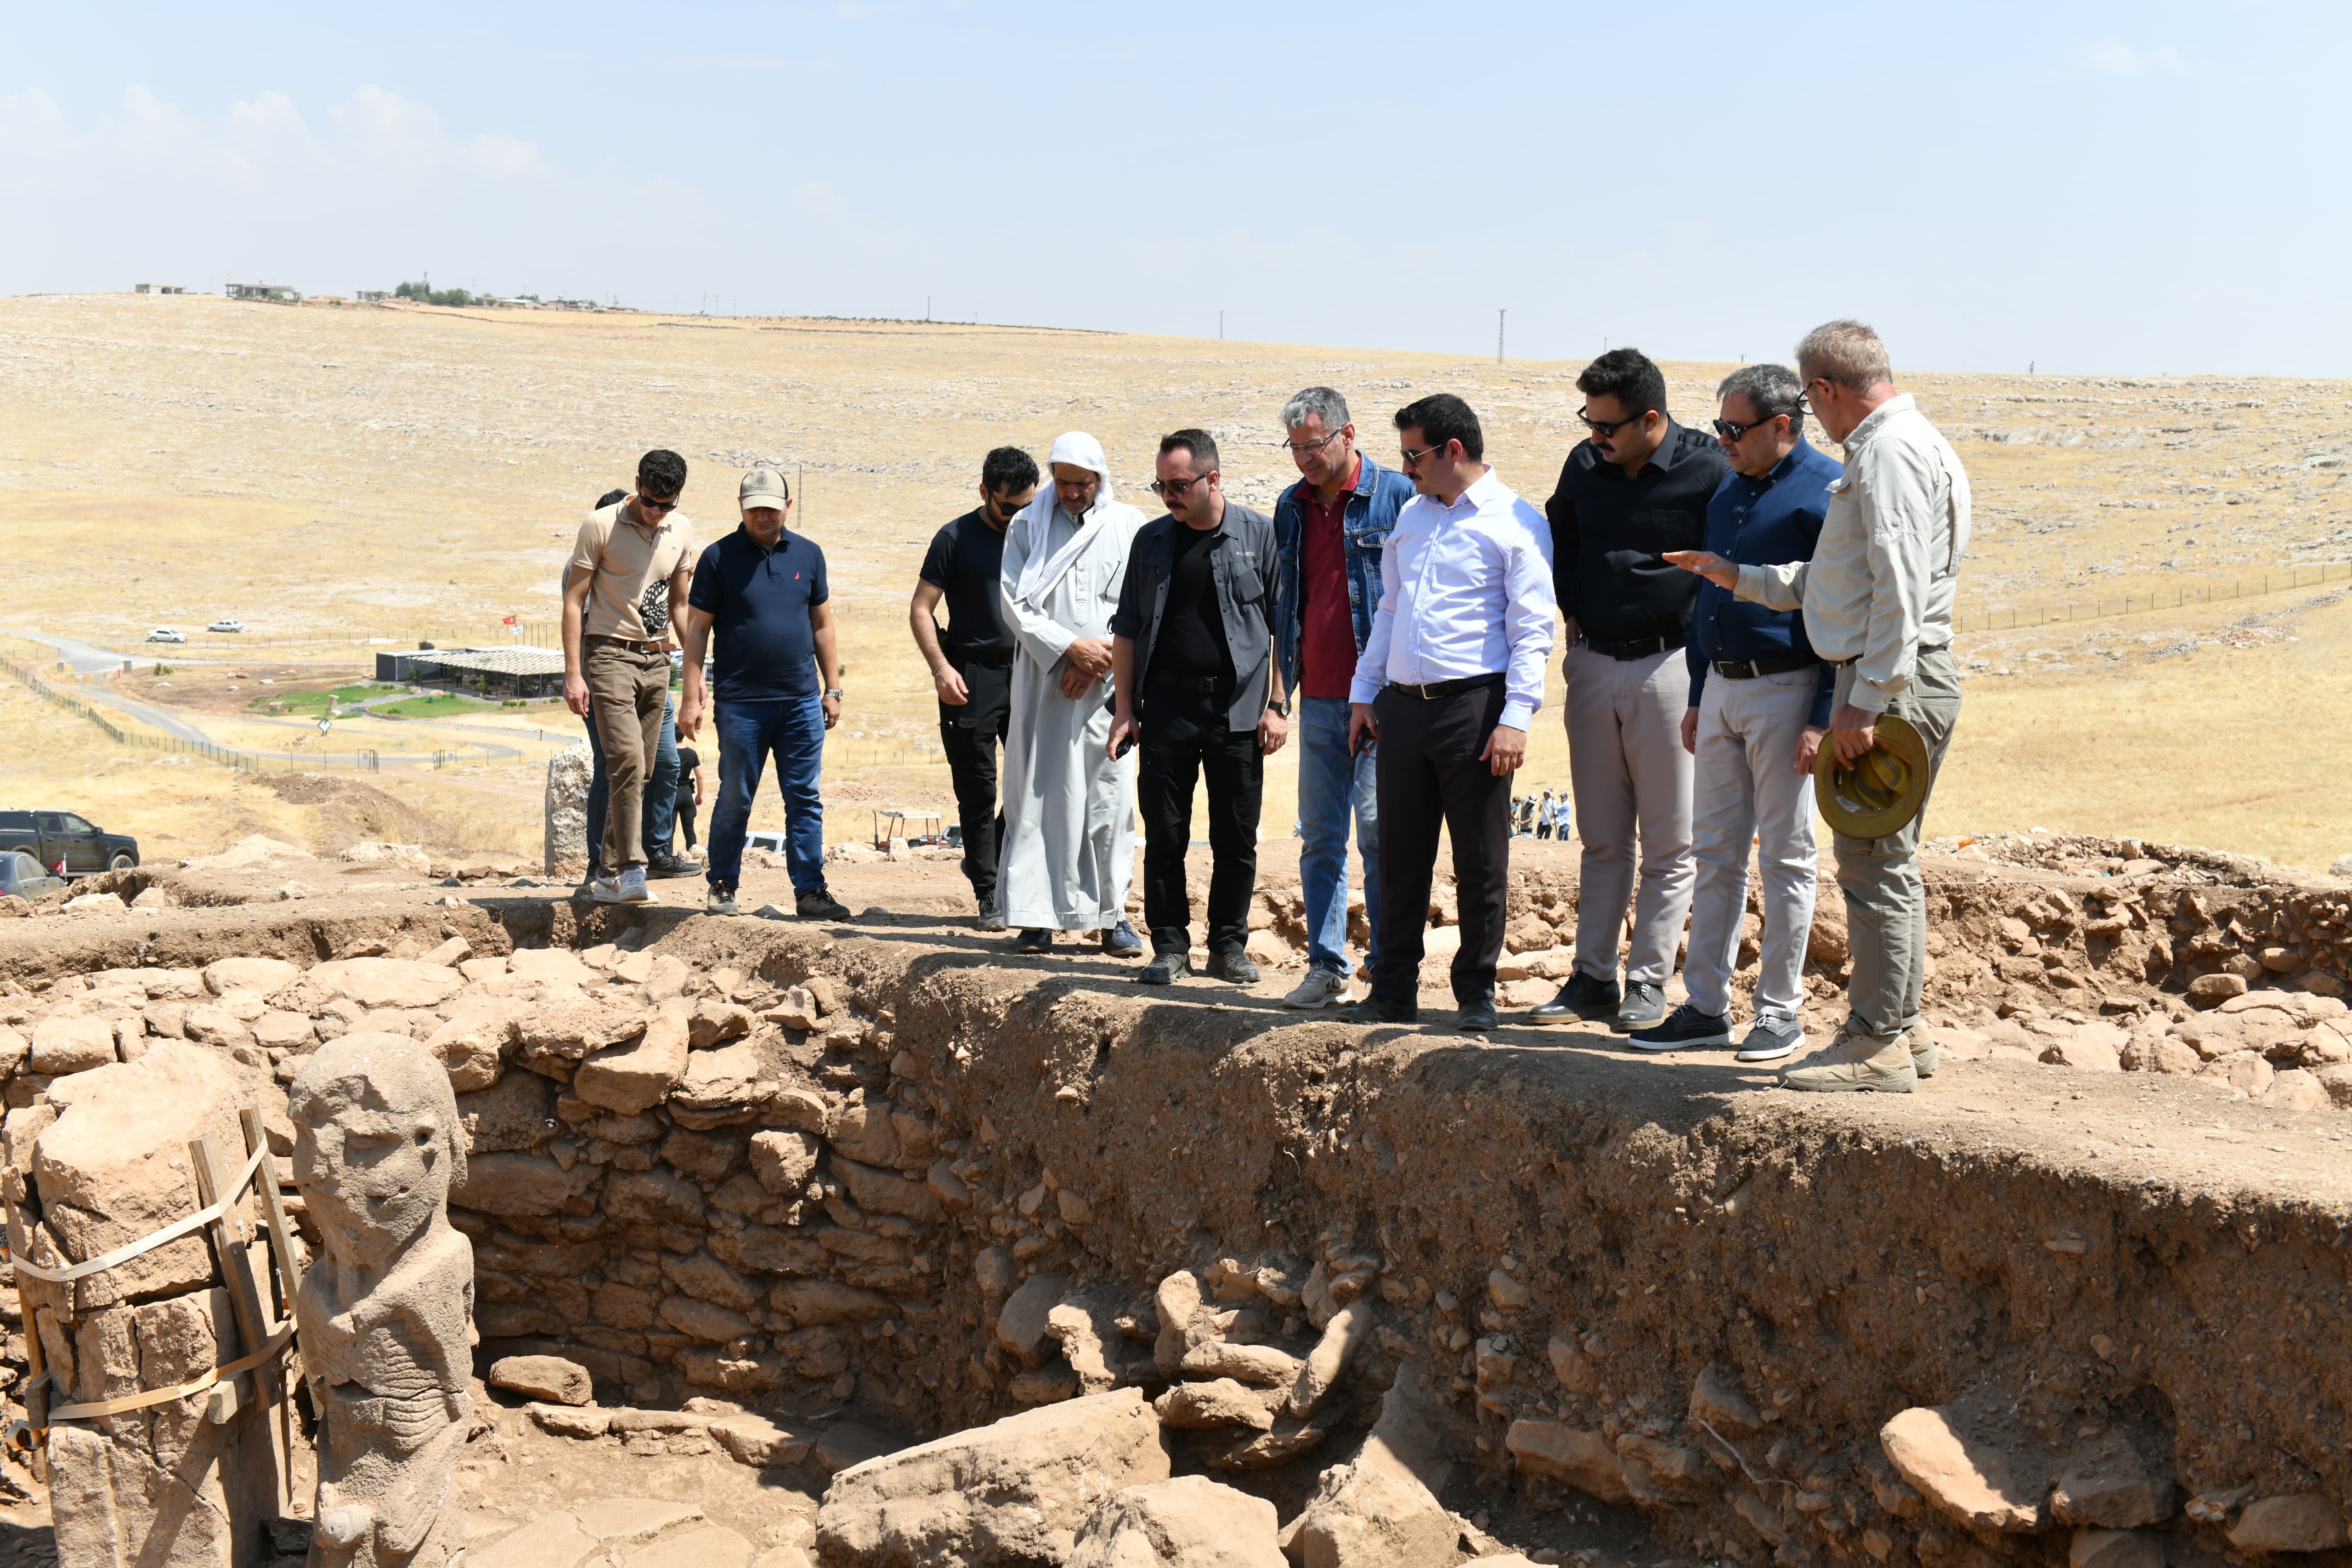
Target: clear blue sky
<point>2130,188</point>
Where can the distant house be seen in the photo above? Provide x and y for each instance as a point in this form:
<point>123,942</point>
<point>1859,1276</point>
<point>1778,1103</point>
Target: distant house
<point>275,293</point>
<point>372,296</point>
<point>158,288</point>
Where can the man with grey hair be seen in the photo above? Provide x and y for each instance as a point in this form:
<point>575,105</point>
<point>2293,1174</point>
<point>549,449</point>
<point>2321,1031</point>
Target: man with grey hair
<point>1328,530</point>
<point>1759,703</point>
<point>1877,599</point>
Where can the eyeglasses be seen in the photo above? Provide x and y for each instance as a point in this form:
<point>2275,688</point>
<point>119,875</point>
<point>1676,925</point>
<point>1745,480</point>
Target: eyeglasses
<point>1605,429</point>
<point>1413,459</point>
<point>646,503</point>
<point>1173,489</point>
<point>1730,432</point>
<point>1300,448</point>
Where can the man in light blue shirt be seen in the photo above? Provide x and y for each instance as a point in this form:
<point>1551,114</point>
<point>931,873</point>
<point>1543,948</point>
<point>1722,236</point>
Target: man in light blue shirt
<point>1448,682</point>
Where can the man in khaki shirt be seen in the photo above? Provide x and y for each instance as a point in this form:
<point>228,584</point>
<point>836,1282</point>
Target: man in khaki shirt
<point>632,562</point>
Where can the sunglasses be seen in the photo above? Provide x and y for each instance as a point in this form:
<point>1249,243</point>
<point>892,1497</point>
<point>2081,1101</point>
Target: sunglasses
<point>1605,429</point>
<point>1725,429</point>
<point>1173,489</point>
<point>1413,459</point>
<point>646,503</point>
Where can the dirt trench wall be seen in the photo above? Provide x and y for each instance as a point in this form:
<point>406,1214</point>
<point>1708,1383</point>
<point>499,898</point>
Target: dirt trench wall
<point>1586,1252</point>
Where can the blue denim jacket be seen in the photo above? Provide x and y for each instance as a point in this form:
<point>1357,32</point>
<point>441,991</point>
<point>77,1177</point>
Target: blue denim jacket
<point>1371,515</point>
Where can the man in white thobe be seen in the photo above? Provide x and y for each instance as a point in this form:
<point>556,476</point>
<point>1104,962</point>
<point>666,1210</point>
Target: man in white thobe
<point>1069,806</point>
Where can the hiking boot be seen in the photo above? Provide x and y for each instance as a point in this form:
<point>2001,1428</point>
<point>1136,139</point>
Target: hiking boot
<point>1120,941</point>
<point>1774,1035</point>
<point>1378,1009</point>
<point>1644,1005</point>
<point>1582,998</point>
<point>661,863</point>
<point>1922,1041</point>
<point>1687,1027</point>
<point>816,904</point>
<point>1321,988</point>
<point>633,888</point>
<point>1232,964</point>
<point>721,901</point>
<point>1856,1063</point>
<point>1166,968</point>
<point>1034,939</point>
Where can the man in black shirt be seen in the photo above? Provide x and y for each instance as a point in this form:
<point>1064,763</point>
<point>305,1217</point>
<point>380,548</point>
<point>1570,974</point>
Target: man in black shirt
<point>1638,486</point>
<point>971,662</point>
<point>1193,639</point>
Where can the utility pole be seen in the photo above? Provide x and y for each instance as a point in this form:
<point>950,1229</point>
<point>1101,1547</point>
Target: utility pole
<point>1498,336</point>
<point>927,307</point>
<point>1221,326</point>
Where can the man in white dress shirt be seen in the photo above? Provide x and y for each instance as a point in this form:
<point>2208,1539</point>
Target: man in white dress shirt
<point>1447,683</point>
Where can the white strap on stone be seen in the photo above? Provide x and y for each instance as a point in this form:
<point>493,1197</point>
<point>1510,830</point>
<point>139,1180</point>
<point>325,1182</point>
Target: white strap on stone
<point>171,1232</point>
<point>271,1347</point>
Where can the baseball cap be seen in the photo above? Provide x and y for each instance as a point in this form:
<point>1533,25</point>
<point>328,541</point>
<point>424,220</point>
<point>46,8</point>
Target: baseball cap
<point>764,487</point>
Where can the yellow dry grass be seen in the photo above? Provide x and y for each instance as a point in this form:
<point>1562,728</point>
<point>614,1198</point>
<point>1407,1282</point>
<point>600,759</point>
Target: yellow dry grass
<point>336,475</point>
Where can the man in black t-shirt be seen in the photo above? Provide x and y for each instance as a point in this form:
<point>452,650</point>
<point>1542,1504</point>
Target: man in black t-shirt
<point>971,660</point>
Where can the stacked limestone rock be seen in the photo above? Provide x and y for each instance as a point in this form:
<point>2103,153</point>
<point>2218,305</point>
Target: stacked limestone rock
<point>98,1158</point>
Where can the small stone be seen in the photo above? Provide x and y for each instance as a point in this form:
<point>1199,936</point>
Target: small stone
<point>1188,1521</point>
<point>1347,1330</point>
<point>1222,1403</point>
<point>2211,990</point>
<point>1970,1480</point>
<point>756,1441</point>
<point>1510,1296</point>
<point>2304,1522</point>
<point>1021,1326</point>
<point>1583,1460</point>
<point>1717,1400</point>
<point>1261,1364</point>
<point>546,1377</point>
<point>798,1010</point>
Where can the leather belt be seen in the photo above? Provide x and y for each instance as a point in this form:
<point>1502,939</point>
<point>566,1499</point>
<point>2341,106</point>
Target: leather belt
<point>1640,647</point>
<point>1432,691</point>
<point>1841,663</point>
<point>1190,682</point>
<point>634,645</point>
<point>1749,669</point>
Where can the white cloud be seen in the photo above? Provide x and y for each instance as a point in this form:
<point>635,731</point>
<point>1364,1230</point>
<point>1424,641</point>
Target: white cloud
<point>2112,57</point>
<point>817,199</point>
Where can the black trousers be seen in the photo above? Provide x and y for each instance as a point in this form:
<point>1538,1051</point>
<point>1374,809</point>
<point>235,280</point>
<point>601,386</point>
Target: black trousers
<point>686,816</point>
<point>1185,737</point>
<point>1428,772</point>
<point>972,735</point>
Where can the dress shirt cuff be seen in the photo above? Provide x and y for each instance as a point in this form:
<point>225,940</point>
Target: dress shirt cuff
<point>1360,689</point>
<point>1517,714</point>
<point>1868,697</point>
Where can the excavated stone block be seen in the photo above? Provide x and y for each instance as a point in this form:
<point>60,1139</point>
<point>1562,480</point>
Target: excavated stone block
<point>1583,1460</point>
<point>1188,1521</point>
<point>1012,1492</point>
<point>638,1075</point>
<point>548,1377</point>
<point>1982,1485</point>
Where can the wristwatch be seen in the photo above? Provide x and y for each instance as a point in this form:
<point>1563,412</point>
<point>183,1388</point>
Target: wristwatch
<point>833,692</point>
<point>1282,707</point>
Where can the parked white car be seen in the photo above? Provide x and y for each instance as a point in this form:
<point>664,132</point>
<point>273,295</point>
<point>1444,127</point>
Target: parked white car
<point>165,634</point>
<point>224,624</point>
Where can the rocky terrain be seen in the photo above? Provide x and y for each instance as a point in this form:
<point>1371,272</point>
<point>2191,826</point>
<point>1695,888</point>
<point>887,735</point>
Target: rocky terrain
<point>785,1200</point>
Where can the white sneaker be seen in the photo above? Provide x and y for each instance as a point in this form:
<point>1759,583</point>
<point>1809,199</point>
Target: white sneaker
<point>1774,1035</point>
<point>604,889</point>
<point>633,888</point>
<point>1321,988</point>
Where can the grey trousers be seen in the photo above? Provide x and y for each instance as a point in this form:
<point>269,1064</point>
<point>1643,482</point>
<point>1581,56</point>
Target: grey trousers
<point>1632,780</point>
<point>1886,901</point>
<point>1746,789</point>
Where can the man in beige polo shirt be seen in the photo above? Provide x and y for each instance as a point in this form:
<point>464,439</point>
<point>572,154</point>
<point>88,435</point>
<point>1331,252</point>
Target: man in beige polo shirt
<point>632,562</point>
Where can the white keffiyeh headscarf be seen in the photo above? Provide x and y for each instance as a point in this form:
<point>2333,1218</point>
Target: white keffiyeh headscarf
<point>1041,572</point>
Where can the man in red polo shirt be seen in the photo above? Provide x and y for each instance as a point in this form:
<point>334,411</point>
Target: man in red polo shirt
<point>1328,529</point>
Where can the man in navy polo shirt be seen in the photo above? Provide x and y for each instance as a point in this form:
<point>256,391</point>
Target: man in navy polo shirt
<point>763,588</point>
<point>1760,704</point>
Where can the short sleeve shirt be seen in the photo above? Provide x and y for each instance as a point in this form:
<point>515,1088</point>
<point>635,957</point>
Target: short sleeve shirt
<point>965,561</point>
<point>759,601</point>
<point>629,594</point>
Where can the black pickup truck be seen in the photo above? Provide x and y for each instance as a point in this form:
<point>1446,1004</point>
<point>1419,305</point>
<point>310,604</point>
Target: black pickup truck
<point>55,838</point>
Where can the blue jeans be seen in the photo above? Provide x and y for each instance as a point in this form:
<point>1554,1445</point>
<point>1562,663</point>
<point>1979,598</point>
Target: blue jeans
<point>661,789</point>
<point>1331,783</point>
<point>794,730</point>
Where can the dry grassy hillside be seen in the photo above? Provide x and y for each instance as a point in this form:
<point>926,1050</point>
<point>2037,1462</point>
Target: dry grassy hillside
<point>334,475</point>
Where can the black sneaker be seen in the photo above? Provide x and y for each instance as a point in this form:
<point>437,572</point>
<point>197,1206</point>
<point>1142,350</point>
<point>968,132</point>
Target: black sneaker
<point>1644,1005</point>
<point>992,912</point>
<point>1582,998</point>
<point>721,901</point>
<point>816,904</point>
<point>1120,941</point>
<point>1232,964</point>
<point>1687,1027</point>
<point>662,863</point>
<point>1378,1009</point>
<point>1166,968</point>
<point>1034,939</point>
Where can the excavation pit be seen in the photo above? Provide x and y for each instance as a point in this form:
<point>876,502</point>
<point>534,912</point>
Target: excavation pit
<point>875,1184</point>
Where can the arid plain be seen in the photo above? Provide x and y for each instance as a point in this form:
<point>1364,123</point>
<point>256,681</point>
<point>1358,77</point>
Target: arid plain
<point>345,480</point>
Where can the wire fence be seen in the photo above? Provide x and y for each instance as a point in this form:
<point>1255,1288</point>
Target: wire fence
<point>364,760</point>
<point>2161,599</point>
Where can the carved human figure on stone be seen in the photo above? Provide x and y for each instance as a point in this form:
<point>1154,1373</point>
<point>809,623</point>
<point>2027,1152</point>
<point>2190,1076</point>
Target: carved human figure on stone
<point>386,1316</point>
